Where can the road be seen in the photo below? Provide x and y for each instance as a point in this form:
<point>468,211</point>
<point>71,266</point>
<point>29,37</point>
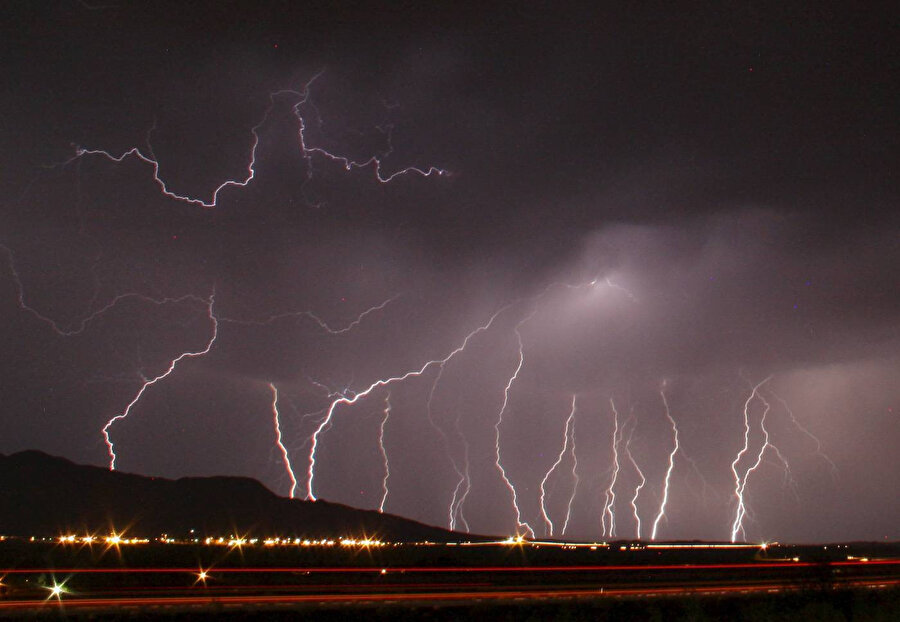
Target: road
<point>104,589</point>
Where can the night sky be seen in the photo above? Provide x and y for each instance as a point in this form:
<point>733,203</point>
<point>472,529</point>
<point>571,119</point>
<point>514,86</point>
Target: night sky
<point>631,209</point>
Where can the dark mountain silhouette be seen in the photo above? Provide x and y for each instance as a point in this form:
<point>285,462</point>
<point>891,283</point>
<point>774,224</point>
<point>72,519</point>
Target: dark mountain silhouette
<point>44,495</point>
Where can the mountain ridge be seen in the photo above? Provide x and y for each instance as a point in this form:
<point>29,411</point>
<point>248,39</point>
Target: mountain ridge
<point>45,495</point>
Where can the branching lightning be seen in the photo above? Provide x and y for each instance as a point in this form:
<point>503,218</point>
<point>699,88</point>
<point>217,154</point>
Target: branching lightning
<point>278,441</point>
<point>152,381</point>
<point>79,326</point>
<point>562,452</point>
<point>675,447</point>
<point>575,478</point>
<point>302,97</point>
<point>512,489</point>
<point>637,489</point>
<point>350,400</point>
<point>610,494</point>
<point>810,435</point>
<point>315,318</point>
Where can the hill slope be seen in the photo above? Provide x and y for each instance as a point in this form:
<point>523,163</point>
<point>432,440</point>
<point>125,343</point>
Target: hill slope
<point>44,495</point>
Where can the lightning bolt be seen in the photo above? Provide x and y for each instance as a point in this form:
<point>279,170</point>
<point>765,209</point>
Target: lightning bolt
<point>562,452</point>
<point>302,97</point>
<point>350,400</point>
<point>499,422</point>
<point>278,441</point>
<point>315,318</point>
<point>665,498</point>
<point>610,492</point>
<point>637,489</point>
<point>79,326</point>
<point>451,519</point>
<point>809,434</point>
<point>384,456</point>
<point>739,482</point>
<point>152,381</point>
<point>457,514</point>
<point>575,478</point>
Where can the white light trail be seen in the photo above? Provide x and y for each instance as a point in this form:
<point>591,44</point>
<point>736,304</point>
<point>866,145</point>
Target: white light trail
<point>610,495</point>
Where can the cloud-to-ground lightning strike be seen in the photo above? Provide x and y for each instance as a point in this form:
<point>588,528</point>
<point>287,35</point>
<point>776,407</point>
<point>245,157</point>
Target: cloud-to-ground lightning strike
<point>675,447</point>
<point>575,478</point>
<point>740,510</point>
<point>386,413</point>
<point>350,400</point>
<point>637,489</point>
<point>451,510</point>
<point>512,489</point>
<point>562,452</point>
<point>278,441</point>
<point>457,514</point>
<point>610,495</point>
<point>307,152</point>
<point>150,382</point>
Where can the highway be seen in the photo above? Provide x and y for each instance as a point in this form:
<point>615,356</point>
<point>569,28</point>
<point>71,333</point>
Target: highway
<point>29,590</point>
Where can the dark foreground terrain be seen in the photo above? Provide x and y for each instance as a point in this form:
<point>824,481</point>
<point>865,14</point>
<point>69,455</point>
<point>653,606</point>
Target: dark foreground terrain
<point>522,580</point>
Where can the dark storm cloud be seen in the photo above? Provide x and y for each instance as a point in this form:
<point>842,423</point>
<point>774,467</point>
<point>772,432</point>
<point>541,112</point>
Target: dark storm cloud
<point>729,172</point>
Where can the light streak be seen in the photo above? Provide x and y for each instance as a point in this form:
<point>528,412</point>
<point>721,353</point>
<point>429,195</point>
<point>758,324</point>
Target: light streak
<point>740,510</point>
<point>315,318</point>
<point>302,97</point>
<point>278,441</point>
<point>384,456</point>
<point>575,477</point>
<point>350,400</point>
<point>562,452</point>
<point>499,422</point>
<point>665,498</point>
<point>637,489</point>
<point>608,507</point>
<point>809,434</point>
<point>152,381</point>
<point>77,327</point>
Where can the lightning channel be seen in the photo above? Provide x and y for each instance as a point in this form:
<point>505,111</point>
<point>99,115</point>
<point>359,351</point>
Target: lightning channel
<point>302,97</point>
<point>152,381</point>
<point>665,497</point>
<point>278,441</point>
<point>562,452</point>
<point>349,400</point>
<point>609,505</point>
<point>499,421</point>
<point>575,478</point>
<point>637,489</point>
<point>740,510</point>
<point>386,413</point>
